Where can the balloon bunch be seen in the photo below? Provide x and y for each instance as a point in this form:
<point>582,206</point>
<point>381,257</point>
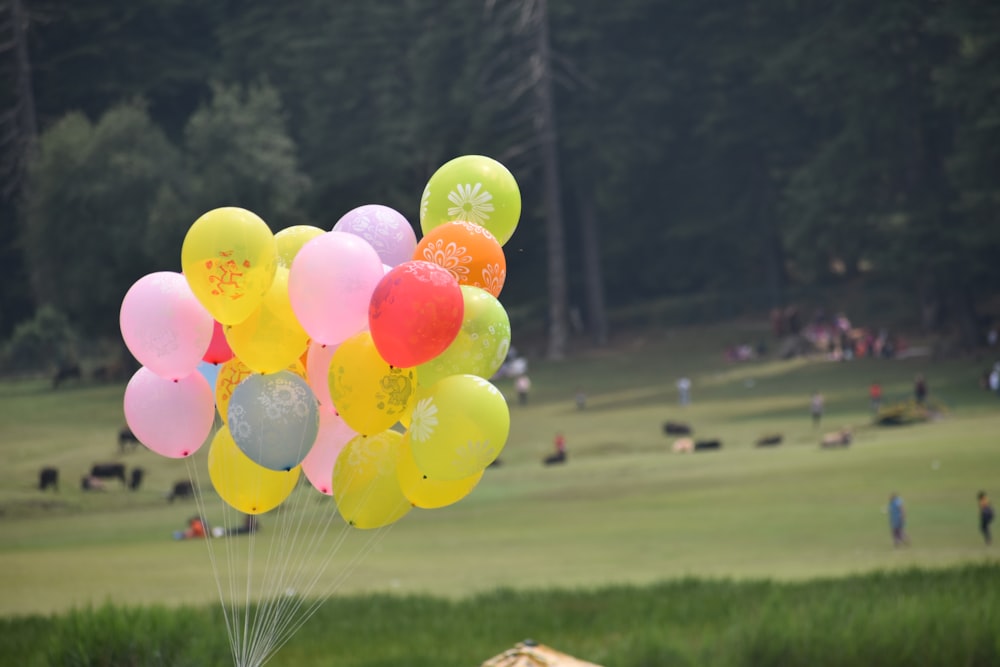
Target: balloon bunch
<point>356,357</point>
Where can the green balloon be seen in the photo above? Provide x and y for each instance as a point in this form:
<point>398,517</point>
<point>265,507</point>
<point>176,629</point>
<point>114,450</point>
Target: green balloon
<point>481,345</point>
<point>476,189</point>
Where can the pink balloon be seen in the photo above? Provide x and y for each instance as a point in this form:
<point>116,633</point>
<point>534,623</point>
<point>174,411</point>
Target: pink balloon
<point>386,229</point>
<point>172,417</point>
<point>164,326</point>
<point>330,284</point>
<point>319,462</point>
<point>318,358</point>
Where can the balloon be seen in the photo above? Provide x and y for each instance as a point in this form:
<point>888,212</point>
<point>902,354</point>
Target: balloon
<point>231,374</point>
<point>415,313</point>
<point>218,351</point>
<point>211,374</point>
<point>171,417</point>
<point>164,326</point>
<point>458,427</point>
<point>476,189</point>
<point>333,435</point>
<point>365,483</point>
<point>425,492</point>
<point>331,283</point>
<point>229,257</point>
<point>469,251</point>
<point>388,232</point>
<point>291,239</point>
<point>318,357</point>
<point>368,393</point>
<point>481,345</point>
<point>241,483</point>
<point>274,419</point>
<point>270,339</point>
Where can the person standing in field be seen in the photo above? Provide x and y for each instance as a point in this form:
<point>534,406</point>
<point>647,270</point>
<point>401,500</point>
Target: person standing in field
<point>875,394</point>
<point>897,520</point>
<point>684,390</point>
<point>985,517</point>
<point>523,386</point>
<point>816,407</point>
<point>920,389</point>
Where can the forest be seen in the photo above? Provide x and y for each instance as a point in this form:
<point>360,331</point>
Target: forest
<point>740,153</point>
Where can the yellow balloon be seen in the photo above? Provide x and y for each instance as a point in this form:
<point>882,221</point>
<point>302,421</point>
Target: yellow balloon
<point>365,483</point>
<point>271,339</point>
<point>458,427</point>
<point>229,258</point>
<point>429,493</point>
<point>291,239</point>
<point>230,375</point>
<point>244,485</point>
<point>368,393</point>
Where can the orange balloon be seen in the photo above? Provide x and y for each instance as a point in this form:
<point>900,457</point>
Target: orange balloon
<point>470,252</point>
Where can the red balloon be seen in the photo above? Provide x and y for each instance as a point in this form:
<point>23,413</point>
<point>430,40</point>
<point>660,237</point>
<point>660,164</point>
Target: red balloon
<point>415,313</point>
<point>219,351</point>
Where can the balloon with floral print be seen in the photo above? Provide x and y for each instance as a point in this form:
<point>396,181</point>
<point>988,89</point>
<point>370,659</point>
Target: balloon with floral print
<point>386,229</point>
<point>458,426</point>
<point>480,347</point>
<point>476,189</point>
<point>470,252</point>
<point>365,482</point>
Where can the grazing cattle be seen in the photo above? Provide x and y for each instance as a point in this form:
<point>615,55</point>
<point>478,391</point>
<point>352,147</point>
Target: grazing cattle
<point>109,471</point>
<point>707,445</point>
<point>91,483</point>
<point>769,440</point>
<point>135,479</point>
<point>841,438</point>
<point>126,438</point>
<point>676,428</point>
<point>683,446</point>
<point>66,372</point>
<point>48,477</point>
<point>182,489</point>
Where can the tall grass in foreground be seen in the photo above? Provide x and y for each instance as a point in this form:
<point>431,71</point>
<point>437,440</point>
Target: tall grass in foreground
<point>912,618</point>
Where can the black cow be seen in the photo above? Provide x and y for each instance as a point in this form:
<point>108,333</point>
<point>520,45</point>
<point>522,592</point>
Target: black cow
<point>676,428</point>
<point>707,445</point>
<point>135,479</point>
<point>109,471</point>
<point>66,372</point>
<point>182,489</point>
<point>126,438</point>
<point>769,440</point>
<point>48,477</point>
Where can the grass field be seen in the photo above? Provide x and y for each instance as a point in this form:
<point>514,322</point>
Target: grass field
<point>623,510</point>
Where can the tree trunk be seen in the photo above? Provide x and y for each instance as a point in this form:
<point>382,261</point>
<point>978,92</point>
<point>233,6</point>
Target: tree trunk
<point>593,277</point>
<point>546,129</point>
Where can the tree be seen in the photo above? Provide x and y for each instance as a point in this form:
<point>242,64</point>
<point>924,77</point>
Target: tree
<point>89,195</point>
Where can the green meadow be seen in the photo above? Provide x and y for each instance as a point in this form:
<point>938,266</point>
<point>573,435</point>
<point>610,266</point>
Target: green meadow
<point>720,548</point>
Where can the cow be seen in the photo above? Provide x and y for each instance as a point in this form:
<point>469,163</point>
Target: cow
<point>66,372</point>
<point>109,471</point>
<point>707,445</point>
<point>683,446</point>
<point>126,438</point>
<point>135,479</point>
<point>676,428</point>
<point>182,489</point>
<point>769,440</point>
<point>48,477</point>
<point>841,438</point>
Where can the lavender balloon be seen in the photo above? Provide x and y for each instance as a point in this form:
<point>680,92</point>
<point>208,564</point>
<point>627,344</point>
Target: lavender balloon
<point>386,229</point>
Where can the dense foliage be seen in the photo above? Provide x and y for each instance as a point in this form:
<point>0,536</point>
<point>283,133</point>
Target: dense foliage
<point>723,148</point>
<point>912,618</point>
